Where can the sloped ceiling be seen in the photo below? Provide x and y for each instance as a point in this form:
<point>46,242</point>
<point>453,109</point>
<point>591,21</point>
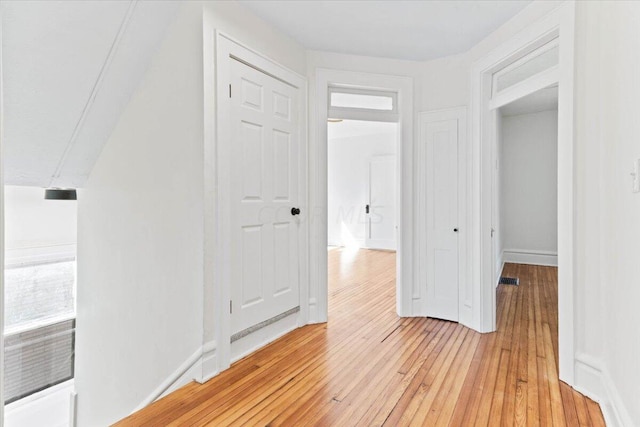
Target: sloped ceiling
<point>70,68</point>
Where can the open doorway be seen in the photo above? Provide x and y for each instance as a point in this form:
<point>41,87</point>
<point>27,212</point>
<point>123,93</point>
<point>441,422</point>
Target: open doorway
<point>362,208</point>
<point>364,97</point>
<point>526,181</point>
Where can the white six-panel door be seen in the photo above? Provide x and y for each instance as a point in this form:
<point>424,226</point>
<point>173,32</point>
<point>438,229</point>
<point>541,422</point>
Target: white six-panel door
<point>264,189</point>
<point>381,215</point>
<point>441,140</point>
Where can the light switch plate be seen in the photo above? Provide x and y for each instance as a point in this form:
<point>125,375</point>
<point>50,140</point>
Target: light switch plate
<point>636,176</point>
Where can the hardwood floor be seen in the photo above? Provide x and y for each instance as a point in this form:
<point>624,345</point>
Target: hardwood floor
<point>367,366</point>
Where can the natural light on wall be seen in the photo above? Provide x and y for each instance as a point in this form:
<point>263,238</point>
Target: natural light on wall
<point>40,289</point>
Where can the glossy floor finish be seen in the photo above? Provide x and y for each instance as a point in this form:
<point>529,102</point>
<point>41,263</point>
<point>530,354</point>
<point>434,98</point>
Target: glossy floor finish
<point>367,366</point>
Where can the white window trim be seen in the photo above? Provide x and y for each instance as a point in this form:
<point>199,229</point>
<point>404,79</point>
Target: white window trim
<point>555,42</point>
<point>372,114</point>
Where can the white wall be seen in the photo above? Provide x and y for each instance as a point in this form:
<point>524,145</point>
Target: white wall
<point>35,226</point>
<point>243,25</point>
<point>608,229</point>
<point>140,236</point>
<point>348,166</point>
<point>529,188</point>
<point>144,310</point>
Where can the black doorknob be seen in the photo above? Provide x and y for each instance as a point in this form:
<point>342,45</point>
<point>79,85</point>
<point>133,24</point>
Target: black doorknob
<point>295,211</point>
<point>455,230</point>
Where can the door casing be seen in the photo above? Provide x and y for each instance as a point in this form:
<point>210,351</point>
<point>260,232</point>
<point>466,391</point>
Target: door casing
<point>216,348</point>
<point>403,87</point>
<point>560,23</point>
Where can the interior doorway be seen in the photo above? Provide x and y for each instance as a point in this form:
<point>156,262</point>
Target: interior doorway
<point>526,181</point>
<point>361,184</point>
<point>362,203</point>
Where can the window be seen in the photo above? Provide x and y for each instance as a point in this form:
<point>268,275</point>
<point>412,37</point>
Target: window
<point>363,104</point>
<point>39,292</point>
<point>362,101</point>
<point>538,61</point>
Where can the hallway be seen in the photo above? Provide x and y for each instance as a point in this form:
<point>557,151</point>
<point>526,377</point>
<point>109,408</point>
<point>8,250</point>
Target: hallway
<point>367,366</point>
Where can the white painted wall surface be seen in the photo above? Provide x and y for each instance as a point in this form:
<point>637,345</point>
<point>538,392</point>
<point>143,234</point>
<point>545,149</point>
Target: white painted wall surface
<point>528,183</point>
<point>348,169</point>
<point>140,236</point>
<point>243,25</point>
<point>608,230</point>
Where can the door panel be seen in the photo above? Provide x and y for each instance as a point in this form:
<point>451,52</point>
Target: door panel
<point>442,216</point>
<point>264,177</point>
<point>381,219</point>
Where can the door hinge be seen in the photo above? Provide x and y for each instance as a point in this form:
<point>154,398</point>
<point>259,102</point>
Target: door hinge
<point>229,90</point>
<point>230,307</point>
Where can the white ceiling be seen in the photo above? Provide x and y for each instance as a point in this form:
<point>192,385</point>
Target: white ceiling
<point>413,30</point>
<point>542,100</point>
<point>70,67</point>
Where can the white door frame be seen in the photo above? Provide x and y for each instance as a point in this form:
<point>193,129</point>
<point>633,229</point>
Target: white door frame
<point>559,23</point>
<point>464,220</point>
<point>1,234</point>
<point>217,253</point>
<point>403,86</point>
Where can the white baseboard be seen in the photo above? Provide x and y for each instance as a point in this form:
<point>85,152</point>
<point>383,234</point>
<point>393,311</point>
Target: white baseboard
<point>500,268</point>
<point>202,365</point>
<point>189,370</point>
<point>593,380</point>
<point>209,362</point>
<point>533,257</point>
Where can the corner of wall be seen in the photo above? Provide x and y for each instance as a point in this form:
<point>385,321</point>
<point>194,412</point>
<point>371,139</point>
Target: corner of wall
<point>593,380</point>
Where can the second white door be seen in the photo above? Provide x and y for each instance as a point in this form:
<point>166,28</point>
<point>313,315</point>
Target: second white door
<point>381,205</point>
<point>441,139</point>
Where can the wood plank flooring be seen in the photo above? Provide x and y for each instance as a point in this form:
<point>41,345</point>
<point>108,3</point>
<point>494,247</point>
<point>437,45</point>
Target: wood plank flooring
<point>368,367</point>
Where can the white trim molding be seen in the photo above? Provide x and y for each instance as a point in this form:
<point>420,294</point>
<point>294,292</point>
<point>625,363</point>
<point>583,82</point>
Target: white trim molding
<point>557,24</point>
<point>593,380</point>
<point>185,373</point>
<point>209,362</point>
<point>1,230</point>
<point>403,87</point>
<point>532,257</point>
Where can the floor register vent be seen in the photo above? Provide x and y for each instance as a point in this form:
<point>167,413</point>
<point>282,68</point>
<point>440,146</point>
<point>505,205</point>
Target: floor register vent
<point>509,281</point>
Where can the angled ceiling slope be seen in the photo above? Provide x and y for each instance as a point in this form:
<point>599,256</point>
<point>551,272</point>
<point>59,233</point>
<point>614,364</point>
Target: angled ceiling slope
<point>70,68</point>
<point>412,30</point>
